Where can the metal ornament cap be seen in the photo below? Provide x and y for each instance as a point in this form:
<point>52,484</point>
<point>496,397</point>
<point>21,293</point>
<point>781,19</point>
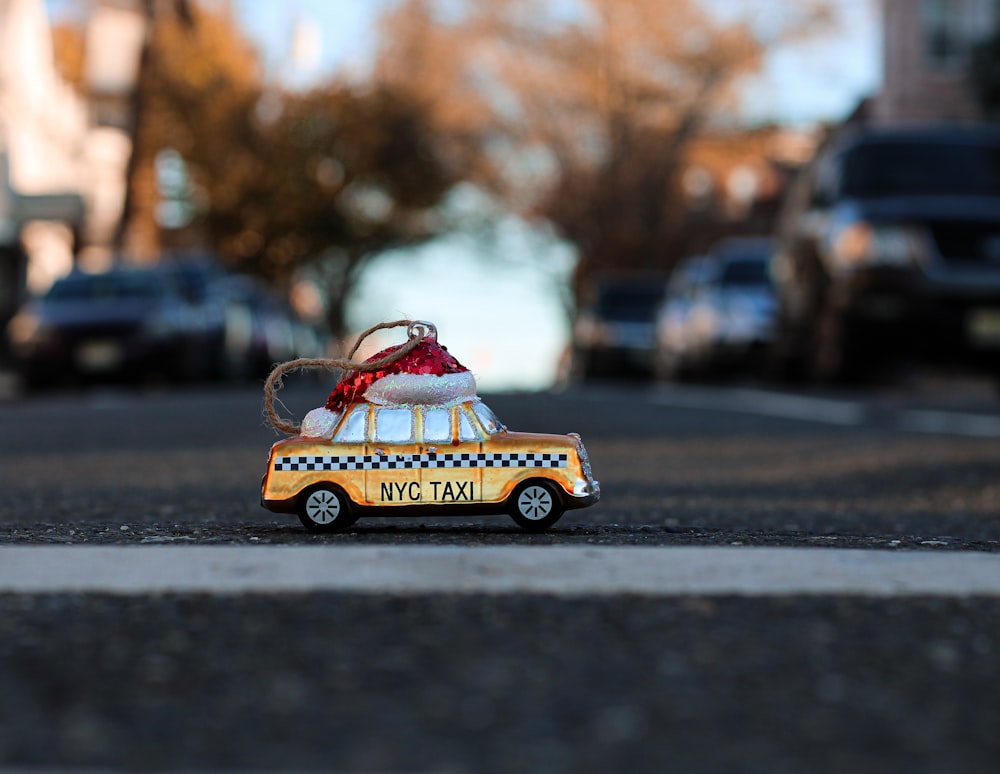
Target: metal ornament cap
<point>429,330</point>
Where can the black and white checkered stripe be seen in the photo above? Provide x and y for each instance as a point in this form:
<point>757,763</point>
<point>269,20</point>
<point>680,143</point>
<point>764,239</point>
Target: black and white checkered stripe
<point>403,461</point>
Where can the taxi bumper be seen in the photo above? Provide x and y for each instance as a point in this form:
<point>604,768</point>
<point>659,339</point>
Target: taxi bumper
<point>587,498</point>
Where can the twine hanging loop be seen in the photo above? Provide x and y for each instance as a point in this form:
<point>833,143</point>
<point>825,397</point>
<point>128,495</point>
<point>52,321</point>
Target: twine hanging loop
<point>416,331</point>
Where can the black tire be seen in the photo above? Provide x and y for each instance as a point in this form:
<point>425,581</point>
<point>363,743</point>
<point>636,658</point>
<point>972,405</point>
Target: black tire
<point>535,506</point>
<point>668,367</point>
<point>838,354</point>
<point>34,380</point>
<point>828,351</point>
<point>785,359</point>
<point>325,509</point>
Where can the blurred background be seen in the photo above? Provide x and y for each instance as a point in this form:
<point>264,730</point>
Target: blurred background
<point>193,190</point>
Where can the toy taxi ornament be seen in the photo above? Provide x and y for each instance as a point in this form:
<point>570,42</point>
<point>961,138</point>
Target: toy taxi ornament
<point>404,433</point>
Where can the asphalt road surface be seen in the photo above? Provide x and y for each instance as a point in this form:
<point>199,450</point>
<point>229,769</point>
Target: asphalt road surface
<point>531,678</point>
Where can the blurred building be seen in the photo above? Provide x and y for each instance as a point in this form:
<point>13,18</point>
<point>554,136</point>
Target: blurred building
<point>43,129</point>
<point>733,180</point>
<point>62,157</point>
<point>115,36</point>
<point>926,48</point>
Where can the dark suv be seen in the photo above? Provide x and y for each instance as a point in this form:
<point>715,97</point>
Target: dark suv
<point>889,248</point>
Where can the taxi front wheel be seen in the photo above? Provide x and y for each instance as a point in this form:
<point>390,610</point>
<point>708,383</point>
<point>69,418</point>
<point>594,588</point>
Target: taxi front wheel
<point>325,509</point>
<point>535,506</point>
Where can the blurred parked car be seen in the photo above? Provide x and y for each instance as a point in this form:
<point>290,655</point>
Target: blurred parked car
<point>241,327</point>
<point>890,248</point>
<point>260,329</point>
<point>198,282</point>
<point>615,329</point>
<point>721,312</point>
<point>126,322</point>
<point>672,317</point>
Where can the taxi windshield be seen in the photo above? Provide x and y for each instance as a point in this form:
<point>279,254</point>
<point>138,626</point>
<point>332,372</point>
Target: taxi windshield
<point>427,424</point>
<point>487,418</point>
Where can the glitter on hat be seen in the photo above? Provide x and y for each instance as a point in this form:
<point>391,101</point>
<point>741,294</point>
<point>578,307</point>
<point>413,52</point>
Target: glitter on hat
<point>320,423</point>
<point>426,374</point>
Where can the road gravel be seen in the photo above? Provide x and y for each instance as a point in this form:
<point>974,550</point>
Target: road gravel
<point>499,683</point>
<point>121,468</point>
<point>382,682</point>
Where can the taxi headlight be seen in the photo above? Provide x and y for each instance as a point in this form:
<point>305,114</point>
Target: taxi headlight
<point>581,487</point>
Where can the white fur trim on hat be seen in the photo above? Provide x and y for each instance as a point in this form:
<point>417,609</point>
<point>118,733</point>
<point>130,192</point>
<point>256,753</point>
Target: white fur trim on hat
<point>422,388</point>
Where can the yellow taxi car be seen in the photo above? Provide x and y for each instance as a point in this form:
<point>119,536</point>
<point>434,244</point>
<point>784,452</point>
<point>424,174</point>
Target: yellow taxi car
<point>390,460</point>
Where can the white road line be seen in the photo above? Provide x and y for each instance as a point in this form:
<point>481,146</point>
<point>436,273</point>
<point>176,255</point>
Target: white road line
<point>558,570</point>
<point>820,410</point>
<point>951,423</point>
<point>763,403</point>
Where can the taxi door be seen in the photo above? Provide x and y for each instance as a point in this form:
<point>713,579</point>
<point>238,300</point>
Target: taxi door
<point>392,477</point>
<point>450,472</point>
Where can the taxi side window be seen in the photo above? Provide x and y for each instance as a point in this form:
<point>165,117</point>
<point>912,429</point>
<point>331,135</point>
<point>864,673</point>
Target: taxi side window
<point>488,419</point>
<point>466,432</point>
<point>437,425</point>
<point>355,427</point>
<point>394,425</point>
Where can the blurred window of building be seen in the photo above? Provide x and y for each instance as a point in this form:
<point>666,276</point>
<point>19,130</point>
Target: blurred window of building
<point>174,209</point>
<point>951,27</point>
<point>8,226</point>
<point>698,183</point>
<point>742,183</point>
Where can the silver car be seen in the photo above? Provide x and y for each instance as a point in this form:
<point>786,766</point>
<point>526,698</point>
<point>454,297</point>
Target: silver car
<point>724,317</point>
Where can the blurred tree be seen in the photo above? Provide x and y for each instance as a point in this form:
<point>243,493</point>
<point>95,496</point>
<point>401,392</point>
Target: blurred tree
<point>198,80</point>
<point>580,112</point>
<point>280,180</point>
<point>331,179</point>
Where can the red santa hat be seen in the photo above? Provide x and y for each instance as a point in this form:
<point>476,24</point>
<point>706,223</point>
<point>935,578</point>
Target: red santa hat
<point>427,374</point>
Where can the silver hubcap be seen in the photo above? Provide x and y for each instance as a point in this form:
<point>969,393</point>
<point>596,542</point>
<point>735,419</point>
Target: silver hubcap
<point>323,507</point>
<point>535,503</point>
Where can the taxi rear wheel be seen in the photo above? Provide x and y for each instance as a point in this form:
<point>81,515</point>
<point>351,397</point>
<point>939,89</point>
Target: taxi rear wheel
<point>324,509</point>
<point>535,506</point>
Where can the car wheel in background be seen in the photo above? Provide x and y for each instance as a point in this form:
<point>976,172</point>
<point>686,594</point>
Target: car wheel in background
<point>535,506</point>
<point>669,366</point>
<point>837,353</point>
